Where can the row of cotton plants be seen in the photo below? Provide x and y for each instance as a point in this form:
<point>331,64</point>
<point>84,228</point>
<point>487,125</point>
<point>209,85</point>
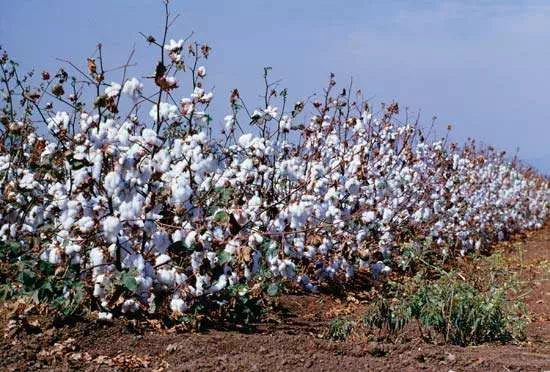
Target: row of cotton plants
<point>187,213</point>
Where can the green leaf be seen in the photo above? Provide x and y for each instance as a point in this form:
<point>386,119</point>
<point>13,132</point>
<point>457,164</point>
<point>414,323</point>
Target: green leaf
<point>129,282</point>
<point>273,289</point>
<point>221,216</point>
<point>224,257</point>
<point>45,267</point>
<point>27,278</point>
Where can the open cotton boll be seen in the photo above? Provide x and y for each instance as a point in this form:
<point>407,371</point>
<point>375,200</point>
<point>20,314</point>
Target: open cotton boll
<point>173,45</point>
<point>387,215</point>
<point>133,88</point>
<point>105,316</point>
<point>178,305</point>
<point>112,90</point>
<point>72,248</point>
<point>166,111</point>
<point>246,140</point>
<point>220,284</point>
<point>112,182</point>
<point>166,276</point>
<point>129,306</point>
<point>190,239</point>
<point>229,123</point>
<point>58,122</point>
<point>162,259</point>
<point>111,228</point>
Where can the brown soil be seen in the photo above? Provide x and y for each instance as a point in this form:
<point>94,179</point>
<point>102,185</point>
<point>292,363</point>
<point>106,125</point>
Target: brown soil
<point>291,341</point>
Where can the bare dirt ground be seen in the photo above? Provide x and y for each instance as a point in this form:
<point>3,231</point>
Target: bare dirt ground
<point>292,341</point>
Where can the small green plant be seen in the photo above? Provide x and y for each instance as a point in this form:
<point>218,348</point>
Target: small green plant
<point>464,315</point>
<point>459,308</point>
<point>340,329</point>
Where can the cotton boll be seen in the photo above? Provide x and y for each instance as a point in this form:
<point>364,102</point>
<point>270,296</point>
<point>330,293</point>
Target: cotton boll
<point>190,239</point>
<point>166,276</point>
<point>96,257</point>
<point>166,111</point>
<point>178,305</point>
<point>133,88</point>
<point>201,71</point>
<point>129,306</point>
<point>162,259</point>
<point>105,316</point>
<point>54,256</point>
<point>229,123</point>
<point>112,182</point>
<point>113,90</point>
<point>111,228</point>
<point>72,248</point>
<point>150,137</point>
<point>387,215</point>
<point>220,284</point>
<point>173,45</point>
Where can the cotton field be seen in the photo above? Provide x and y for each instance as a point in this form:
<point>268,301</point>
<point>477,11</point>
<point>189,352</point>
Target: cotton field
<point>146,187</point>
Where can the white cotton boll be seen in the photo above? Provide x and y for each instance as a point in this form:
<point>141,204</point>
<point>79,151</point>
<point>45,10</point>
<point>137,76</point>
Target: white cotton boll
<point>200,282</point>
<point>129,306</point>
<point>287,268</point>
<point>162,259</point>
<point>173,45</point>
<point>285,124</point>
<point>133,88</point>
<point>54,256</point>
<point>96,256</point>
<point>111,228</point>
<point>58,122</point>
<point>112,249</point>
<point>105,316</point>
<point>113,90</point>
<point>270,113</point>
<point>201,71</point>
<point>191,239</point>
<point>220,284</point>
<point>177,236</point>
<point>478,245</point>
<point>232,246</point>
<point>112,182</point>
<point>166,111</point>
<point>72,248</point>
<point>245,140</point>
<point>255,202</point>
<point>167,277</point>
<point>181,190</point>
<point>310,252</point>
<point>387,215</point>
<point>352,186</point>
<point>229,123</point>
<point>149,136</point>
<point>178,305</point>
<point>100,282</point>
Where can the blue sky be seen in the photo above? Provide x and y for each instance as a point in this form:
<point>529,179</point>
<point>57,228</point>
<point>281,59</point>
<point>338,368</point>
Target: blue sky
<point>482,66</point>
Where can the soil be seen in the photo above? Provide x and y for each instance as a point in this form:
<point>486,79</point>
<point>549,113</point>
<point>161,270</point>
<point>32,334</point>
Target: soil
<point>291,340</point>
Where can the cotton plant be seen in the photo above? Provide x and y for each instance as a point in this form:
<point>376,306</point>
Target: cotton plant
<point>154,199</point>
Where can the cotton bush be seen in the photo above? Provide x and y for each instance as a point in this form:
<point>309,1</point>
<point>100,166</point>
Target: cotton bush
<point>302,192</point>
